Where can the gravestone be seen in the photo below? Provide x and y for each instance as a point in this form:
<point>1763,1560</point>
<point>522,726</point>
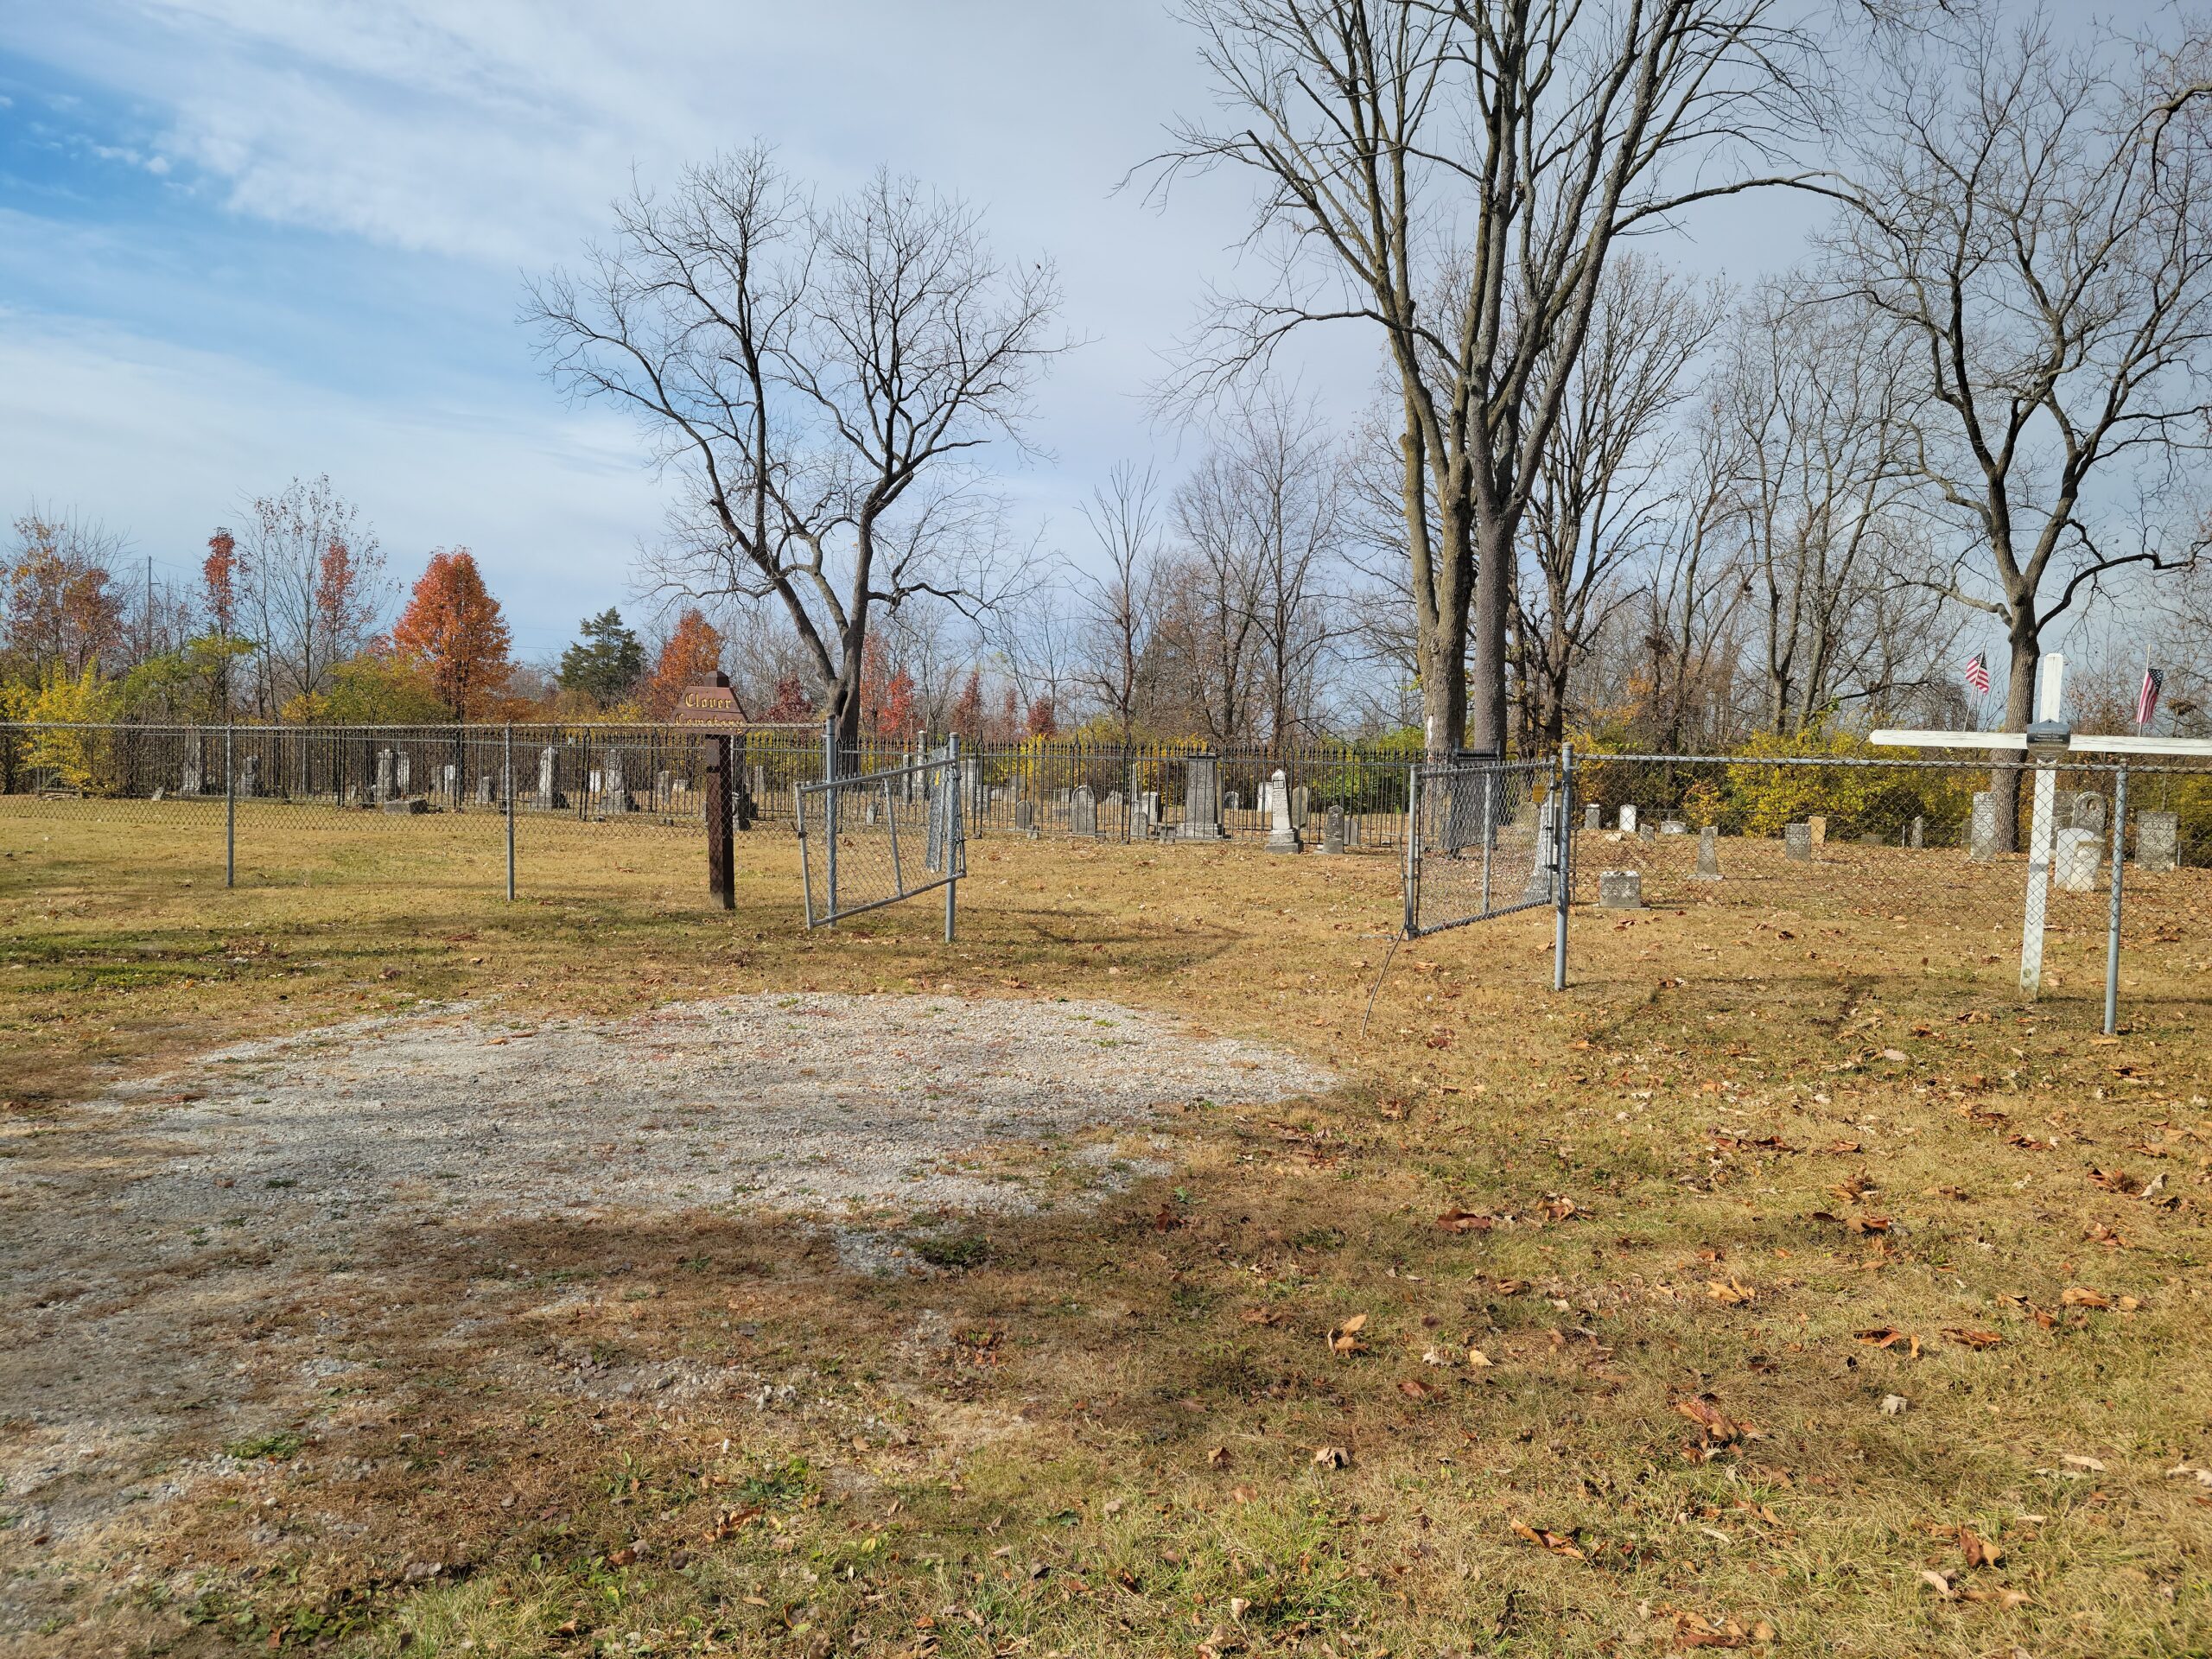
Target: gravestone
<point>249,776</point>
<point>1628,820</point>
<point>406,809</point>
<point>615,796</point>
<point>2089,811</point>
<point>387,775</point>
<point>1620,890</point>
<point>1545,864</point>
<point>1025,817</point>
<point>483,789</point>
<point>1201,799</point>
<point>190,784</point>
<point>1647,832</point>
<point>159,795</point>
<point>1818,827</point>
<point>2073,860</point>
<point>664,787</point>
<point>971,778</point>
<point>1148,812</point>
<point>1672,827</point>
<point>1333,828</point>
<point>1593,816</point>
<point>1708,855</point>
<point>453,782</point>
<point>1232,802</point>
<point>1082,812</point>
<point>2157,841</point>
<point>402,771</point>
<point>1797,843</point>
<point>1981,828</point>
<point>1916,833</point>
<point>549,762</point>
<point>1282,834</point>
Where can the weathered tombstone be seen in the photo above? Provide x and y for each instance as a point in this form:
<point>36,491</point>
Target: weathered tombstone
<point>1981,828</point>
<point>1301,802</point>
<point>1082,812</point>
<point>387,775</point>
<point>971,778</point>
<point>869,807</point>
<point>189,785</point>
<point>1672,827</point>
<point>1916,833</point>
<point>406,808</point>
<point>402,771</point>
<point>1628,820</point>
<point>615,795</point>
<point>548,763</point>
<point>2073,860</point>
<point>1149,811</point>
<point>1708,855</point>
<point>1025,817</point>
<point>1647,832</point>
<point>1620,890</point>
<point>1545,863</point>
<point>1797,843</point>
<point>1202,798</point>
<point>1817,826</point>
<point>483,789</point>
<point>1233,802</point>
<point>1593,816</point>
<point>160,794</point>
<point>2157,841</point>
<point>664,788</point>
<point>249,776</point>
<point>452,783</point>
<point>1333,828</point>
<point>1282,834</point>
<point>2089,811</point>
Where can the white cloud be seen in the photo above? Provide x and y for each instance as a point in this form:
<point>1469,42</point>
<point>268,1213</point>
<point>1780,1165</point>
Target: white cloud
<point>166,443</point>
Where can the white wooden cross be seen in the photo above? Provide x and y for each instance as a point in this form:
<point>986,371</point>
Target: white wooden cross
<point>2049,736</point>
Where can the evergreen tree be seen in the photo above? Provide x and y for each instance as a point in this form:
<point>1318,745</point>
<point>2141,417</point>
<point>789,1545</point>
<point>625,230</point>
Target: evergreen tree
<point>605,662</point>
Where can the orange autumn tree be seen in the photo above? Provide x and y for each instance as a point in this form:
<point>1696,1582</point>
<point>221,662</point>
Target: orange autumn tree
<point>452,631</point>
<point>693,652</point>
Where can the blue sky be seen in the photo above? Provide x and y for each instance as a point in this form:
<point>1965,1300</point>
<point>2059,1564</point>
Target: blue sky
<point>242,239</point>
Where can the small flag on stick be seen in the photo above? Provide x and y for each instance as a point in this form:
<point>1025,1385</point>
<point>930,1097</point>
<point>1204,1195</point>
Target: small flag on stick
<point>2146,701</point>
<point>1978,674</point>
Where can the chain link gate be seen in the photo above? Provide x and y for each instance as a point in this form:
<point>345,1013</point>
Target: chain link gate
<point>872,839</point>
<point>1489,838</point>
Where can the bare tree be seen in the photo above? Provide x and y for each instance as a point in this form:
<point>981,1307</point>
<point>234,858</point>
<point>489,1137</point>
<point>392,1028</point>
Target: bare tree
<point>310,581</point>
<point>1456,174</point>
<point>2034,221</point>
<point>821,379</point>
<point>1121,604</point>
<point>1604,493</point>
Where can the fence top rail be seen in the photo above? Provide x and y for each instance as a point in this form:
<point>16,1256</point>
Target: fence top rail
<point>2014,759</point>
<point>888,774</point>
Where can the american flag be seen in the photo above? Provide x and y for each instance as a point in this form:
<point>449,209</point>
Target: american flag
<point>2147,700</point>
<point>1978,674</point>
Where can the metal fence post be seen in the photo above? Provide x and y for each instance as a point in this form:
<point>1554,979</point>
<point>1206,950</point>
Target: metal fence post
<point>230,807</point>
<point>829,810</point>
<point>1413,850</point>
<point>2112,937</point>
<point>952,850</point>
<point>508,765</point>
<point>1563,874</point>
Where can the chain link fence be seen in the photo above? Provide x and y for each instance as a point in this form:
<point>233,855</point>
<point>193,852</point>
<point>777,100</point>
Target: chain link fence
<point>1486,841</point>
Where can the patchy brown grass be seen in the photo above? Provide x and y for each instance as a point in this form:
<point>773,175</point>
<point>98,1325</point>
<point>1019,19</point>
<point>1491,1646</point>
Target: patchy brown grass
<point>1756,1172</point>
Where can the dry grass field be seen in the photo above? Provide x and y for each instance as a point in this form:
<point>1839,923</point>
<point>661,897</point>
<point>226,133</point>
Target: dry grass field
<point>1784,1285</point>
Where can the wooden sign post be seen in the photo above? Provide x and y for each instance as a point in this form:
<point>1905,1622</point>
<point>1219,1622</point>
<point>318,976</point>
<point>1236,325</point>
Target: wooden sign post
<point>712,703</point>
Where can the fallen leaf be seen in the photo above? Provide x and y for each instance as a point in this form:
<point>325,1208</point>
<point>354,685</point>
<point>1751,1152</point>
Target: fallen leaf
<point>1973,1339</point>
<point>1456,1220</point>
<point>1732,1292</point>
<point>1345,1339</point>
<point>1261,1316</point>
<point>2073,1461</point>
<point>1413,1389</point>
<point>1218,1457</point>
<point>1895,1405</point>
<point>1332,1457</point>
<point>2081,1296</point>
<point>1243,1494</point>
<point>1979,1550</point>
<point>1166,1221</point>
<point>1882,1336</point>
<point>1936,1582</point>
<point>1557,1543</point>
<point>1718,1427</point>
<point>1477,1360</point>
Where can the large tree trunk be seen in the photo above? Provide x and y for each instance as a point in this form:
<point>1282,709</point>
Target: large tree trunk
<point>1493,570</point>
<point>2019,709</point>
